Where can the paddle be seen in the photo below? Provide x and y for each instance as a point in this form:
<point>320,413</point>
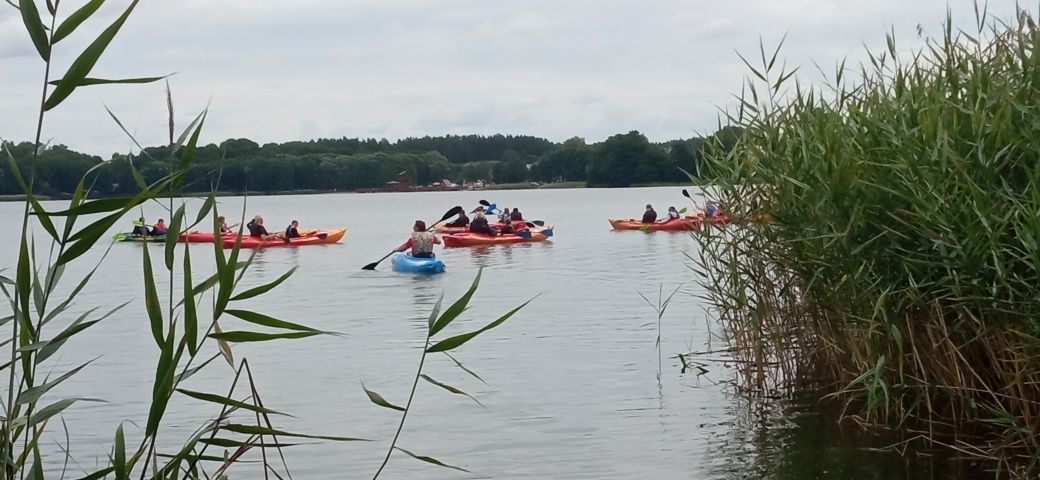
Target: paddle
<point>450,213</point>
<point>491,207</point>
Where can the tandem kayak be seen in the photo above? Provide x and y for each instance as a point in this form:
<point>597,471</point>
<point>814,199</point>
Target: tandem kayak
<point>130,237</point>
<point>673,225</point>
<point>402,262</point>
<point>469,239</point>
<point>321,238</point>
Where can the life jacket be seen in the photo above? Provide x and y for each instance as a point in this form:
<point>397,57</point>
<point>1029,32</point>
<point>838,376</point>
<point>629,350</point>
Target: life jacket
<point>422,242</point>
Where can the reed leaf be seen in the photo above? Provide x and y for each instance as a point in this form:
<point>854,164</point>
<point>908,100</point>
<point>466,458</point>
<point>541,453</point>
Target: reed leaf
<point>378,399</point>
<point>70,24</point>
<point>81,67</point>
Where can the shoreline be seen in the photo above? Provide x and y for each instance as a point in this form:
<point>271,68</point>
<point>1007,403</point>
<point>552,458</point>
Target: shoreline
<point>501,186</point>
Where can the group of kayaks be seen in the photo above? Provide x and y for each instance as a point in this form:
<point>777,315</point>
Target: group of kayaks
<point>520,231</point>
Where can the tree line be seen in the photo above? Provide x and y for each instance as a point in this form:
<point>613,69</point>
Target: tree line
<point>352,163</point>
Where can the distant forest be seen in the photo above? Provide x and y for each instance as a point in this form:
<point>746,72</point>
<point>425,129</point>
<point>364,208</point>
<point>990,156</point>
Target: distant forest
<point>349,163</point>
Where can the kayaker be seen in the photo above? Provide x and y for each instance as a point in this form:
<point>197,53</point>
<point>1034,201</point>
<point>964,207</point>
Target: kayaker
<point>480,224</point>
<point>649,216</point>
<point>140,229</point>
<point>712,210</point>
<point>421,242</point>
<point>257,229</point>
<point>292,231</point>
<point>516,216</point>
<point>504,217</point>
<point>673,214</point>
<point>462,221</point>
<point>159,228</point>
<point>224,228</point>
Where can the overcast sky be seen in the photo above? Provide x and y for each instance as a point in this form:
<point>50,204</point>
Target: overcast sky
<point>278,71</point>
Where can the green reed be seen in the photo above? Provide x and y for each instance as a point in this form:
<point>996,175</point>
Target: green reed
<point>183,326</point>
<point>887,237</point>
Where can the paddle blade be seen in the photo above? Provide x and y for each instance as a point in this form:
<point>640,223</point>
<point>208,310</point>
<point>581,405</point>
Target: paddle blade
<point>484,203</point>
<point>451,213</point>
<point>371,266</point>
<point>523,234</point>
<point>686,194</point>
<point>540,223</point>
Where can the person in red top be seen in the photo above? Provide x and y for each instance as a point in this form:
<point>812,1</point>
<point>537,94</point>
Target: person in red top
<point>421,242</point>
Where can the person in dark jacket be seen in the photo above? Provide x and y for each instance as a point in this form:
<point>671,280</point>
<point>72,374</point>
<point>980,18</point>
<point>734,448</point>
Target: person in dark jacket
<point>292,231</point>
<point>462,221</point>
<point>649,216</point>
<point>480,224</point>
<point>516,216</point>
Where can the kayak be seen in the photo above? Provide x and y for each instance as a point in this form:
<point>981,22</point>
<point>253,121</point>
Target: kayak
<point>673,225</point>
<point>470,239</point>
<point>402,262</point>
<point>696,223</point>
<point>519,224</point>
<point>207,237</point>
<point>130,237</point>
<point>322,238</point>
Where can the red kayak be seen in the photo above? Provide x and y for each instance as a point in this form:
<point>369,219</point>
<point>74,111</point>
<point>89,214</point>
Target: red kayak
<point>470,239</point>
<point>320,238</point>
<point>696,223</point>
<point>517,225</point>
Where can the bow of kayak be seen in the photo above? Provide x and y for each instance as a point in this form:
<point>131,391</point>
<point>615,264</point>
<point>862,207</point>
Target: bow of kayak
<point>404,263</point>
<point>130,237</point>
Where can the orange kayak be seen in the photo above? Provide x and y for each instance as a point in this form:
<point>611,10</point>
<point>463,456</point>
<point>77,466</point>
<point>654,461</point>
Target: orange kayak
<point>674,225</point>
<point>207,237</point>
<point>469,239</point>
<point>319,238</point>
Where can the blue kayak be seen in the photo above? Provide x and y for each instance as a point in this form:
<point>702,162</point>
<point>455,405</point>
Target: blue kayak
<point>405,263</point>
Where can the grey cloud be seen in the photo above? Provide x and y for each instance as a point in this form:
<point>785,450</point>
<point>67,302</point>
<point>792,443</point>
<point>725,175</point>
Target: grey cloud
<point>397,68</point>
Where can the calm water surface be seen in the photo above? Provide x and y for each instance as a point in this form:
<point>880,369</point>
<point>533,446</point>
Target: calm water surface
<point>575,387</point>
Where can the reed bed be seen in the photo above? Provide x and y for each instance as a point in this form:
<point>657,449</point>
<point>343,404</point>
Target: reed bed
<point>887,243</point>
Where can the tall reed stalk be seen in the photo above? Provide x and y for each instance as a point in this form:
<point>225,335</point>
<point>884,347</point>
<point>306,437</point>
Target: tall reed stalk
<point>887,237</point>
<point>40,327</point>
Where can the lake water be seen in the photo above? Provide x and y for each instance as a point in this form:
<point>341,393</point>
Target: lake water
<point>575,386</point>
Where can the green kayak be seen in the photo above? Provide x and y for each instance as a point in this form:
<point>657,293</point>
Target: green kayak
<point>130,237</point>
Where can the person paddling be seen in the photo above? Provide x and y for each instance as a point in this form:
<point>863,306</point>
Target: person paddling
<point>225,229</point>
<point>673,214</point>
<point>480,224</point>
<point>140,228</point>
<point>421,242</point>
<point>462,221</point>
<point>649,216</point>
<point>516,216</point>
